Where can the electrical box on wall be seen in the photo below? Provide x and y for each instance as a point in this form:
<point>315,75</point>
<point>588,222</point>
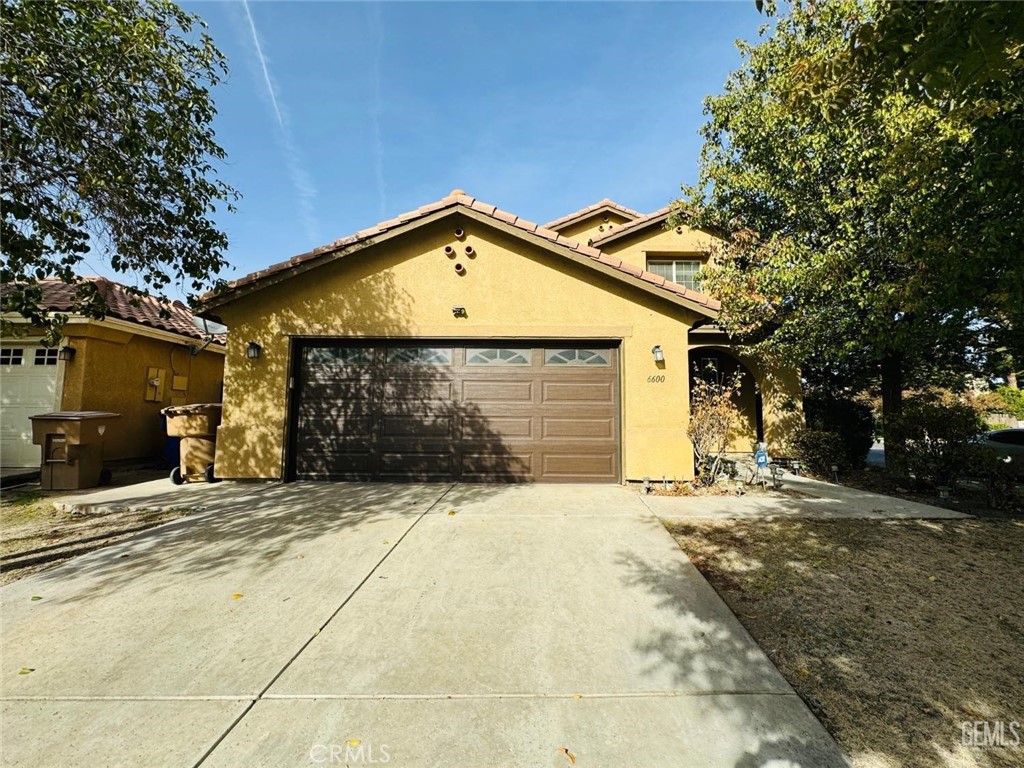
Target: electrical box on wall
<point>155,379</point>
<point>179,390</point>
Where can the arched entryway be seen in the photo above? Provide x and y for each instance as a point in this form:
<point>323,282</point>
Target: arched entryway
<point>721,366</point>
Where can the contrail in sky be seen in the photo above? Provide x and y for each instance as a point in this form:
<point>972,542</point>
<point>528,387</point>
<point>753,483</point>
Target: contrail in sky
<point>305,190</point>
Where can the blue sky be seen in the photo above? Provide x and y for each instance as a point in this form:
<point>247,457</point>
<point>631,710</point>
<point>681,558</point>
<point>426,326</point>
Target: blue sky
<point>338,115</point>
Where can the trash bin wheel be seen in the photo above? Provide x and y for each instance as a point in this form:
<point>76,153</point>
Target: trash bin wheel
<point>105,476</point>
<point>176,477</point>
<point>208,474</point>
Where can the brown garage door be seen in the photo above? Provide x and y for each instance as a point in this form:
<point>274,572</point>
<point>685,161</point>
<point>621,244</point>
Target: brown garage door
<point>489,411</point>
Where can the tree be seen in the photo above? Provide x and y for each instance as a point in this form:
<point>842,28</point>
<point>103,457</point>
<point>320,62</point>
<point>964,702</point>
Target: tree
<point>106,146</point>
<point>714,413</point>
<point>870,239</point>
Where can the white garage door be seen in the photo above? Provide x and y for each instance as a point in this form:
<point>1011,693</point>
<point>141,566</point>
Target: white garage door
<point>28,385</point>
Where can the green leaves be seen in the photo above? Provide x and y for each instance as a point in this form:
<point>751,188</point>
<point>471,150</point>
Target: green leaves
<point>106,143</point>
<point>868,219</point>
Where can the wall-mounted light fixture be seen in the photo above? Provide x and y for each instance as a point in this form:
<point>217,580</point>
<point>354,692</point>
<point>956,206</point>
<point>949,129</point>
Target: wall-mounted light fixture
<point>66,353</point>
<point>459,311</point>
<point>659,356</point>
<point>253,351</point>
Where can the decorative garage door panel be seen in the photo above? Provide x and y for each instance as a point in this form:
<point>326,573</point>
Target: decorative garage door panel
<point>456,411</point>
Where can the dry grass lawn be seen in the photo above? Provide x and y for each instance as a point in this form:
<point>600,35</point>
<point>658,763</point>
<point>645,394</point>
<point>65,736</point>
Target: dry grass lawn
<point>34,535</point>
<point>895,633</point>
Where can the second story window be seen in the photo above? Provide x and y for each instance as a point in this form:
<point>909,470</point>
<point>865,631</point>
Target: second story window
<point>679,271</point>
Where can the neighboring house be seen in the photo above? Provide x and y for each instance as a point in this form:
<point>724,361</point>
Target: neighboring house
<point>133,362</point>
<point>461,342</point>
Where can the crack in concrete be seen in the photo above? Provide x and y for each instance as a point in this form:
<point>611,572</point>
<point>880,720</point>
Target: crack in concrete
<point>305,645</point>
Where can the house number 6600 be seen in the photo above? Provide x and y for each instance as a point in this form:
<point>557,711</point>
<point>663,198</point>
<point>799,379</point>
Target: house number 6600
<point>659,379</point>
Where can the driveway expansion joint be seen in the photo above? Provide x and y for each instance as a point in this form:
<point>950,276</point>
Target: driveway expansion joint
<point>473,696</point>
<point>305,645</point>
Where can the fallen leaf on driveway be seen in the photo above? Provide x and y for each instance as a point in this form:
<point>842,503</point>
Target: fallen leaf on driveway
<point>451,512</point>
<point>354,742</point>
<point>237,596</point>
<point>27,670</point>
<point>35,597</point>
<point>933,578</point>
<point>568,754</point>
<point>577,696</point>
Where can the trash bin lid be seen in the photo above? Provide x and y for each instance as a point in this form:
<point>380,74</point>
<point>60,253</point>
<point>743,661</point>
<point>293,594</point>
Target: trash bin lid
<point>76,415</point>
<point>191,409</point>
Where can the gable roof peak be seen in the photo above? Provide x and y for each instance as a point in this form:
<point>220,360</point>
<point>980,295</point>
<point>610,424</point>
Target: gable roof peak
<point>602,205</point>
<point>482,211</point>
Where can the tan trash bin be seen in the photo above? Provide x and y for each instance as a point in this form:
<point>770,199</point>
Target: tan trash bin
<point>196,425</point>
<point>72,448</point>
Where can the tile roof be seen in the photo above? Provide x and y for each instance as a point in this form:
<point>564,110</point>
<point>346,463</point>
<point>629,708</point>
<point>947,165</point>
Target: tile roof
<point>456,200</point>
<point>59,296</point>
<point>583,213</point>
<point>633,226</point>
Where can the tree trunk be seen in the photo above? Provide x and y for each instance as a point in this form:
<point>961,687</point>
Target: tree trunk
<point>892,408</point>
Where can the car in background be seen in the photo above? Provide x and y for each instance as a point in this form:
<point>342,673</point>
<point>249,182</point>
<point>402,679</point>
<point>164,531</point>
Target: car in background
<point>1007,443</point>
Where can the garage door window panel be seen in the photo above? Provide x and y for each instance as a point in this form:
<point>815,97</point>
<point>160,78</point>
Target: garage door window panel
<point>331,356</point>
<point>46,357</point>
<point>576,357</point>
<point>11,356</point>
<point>497,356</point>
<point>420,355</point>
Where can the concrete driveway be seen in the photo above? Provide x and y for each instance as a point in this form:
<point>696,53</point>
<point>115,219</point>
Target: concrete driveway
<point>416,625</point>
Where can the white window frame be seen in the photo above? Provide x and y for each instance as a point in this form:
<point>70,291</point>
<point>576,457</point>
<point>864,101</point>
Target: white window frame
<point>674,270</point>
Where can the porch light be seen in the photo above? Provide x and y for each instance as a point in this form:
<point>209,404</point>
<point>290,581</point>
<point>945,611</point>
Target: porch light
<point>659,356</point>
<point>66,353</point>
<point>253,351</point>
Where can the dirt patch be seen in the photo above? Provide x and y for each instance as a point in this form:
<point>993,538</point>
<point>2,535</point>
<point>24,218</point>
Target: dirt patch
<point>895,633</point>
<point>34,535</point>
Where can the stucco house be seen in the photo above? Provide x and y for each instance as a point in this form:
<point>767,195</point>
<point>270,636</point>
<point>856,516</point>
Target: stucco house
<point>133,362</point>
<point>462,342</point>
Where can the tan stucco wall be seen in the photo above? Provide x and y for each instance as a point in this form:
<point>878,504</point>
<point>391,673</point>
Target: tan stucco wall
<point>594,226</point>
<point>406,287</point>
<point>109,371</point>
<point>656,240</point>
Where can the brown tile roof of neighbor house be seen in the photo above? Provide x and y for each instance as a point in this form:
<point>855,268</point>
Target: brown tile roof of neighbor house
<point>59,296</point>
<point>582,213</point>
<point>459,200</point>
<point>633,226</point>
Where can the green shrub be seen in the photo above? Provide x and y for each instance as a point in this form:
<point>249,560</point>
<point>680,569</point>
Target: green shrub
<point>938,438</point>
<point>1003,400</point>
<point>852,422</point>
<point>819,449</point>
<point>1013,400</point>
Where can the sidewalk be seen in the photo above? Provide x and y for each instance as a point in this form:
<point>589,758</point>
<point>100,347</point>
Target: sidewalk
<point>810,498</point>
